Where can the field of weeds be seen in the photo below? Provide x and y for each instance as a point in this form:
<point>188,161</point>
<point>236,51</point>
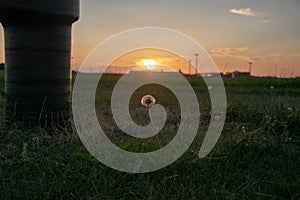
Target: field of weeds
<point>256,157</point>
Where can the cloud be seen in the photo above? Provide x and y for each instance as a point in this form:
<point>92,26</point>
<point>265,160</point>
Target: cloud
<point>225,51</point>
<point>230,52</point>
<point>266,21</point>
<point>238,54</point>
<point>267,57</point>
<point>274,56</point>
<point>243,11</point>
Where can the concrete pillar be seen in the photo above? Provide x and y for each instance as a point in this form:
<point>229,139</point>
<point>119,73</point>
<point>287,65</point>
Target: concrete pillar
<point>37,57</point>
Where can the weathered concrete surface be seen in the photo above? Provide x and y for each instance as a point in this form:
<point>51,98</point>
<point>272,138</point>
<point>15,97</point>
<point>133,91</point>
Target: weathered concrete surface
<point>37,55</point>
<point>39,10</point>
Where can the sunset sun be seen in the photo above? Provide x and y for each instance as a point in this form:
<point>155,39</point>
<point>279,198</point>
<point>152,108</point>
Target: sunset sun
<point>149,64</point>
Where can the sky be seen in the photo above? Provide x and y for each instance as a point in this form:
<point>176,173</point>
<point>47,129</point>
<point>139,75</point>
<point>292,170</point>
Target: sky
<point>233,32</point>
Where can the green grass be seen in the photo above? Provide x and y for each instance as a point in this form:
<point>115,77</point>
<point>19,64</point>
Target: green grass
<point>257,156</point>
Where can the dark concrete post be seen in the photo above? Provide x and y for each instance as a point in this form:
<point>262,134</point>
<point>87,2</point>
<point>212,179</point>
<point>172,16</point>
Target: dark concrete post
<point>37,56</point>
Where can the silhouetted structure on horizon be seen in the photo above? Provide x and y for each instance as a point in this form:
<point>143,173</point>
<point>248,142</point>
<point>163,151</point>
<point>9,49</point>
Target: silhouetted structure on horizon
<point>237,74</point>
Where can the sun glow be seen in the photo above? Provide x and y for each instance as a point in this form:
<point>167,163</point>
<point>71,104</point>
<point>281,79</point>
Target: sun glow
<point>149,64</point>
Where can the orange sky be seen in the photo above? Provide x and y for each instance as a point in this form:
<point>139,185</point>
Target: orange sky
<point>232,32</point>
<point>162,58</point>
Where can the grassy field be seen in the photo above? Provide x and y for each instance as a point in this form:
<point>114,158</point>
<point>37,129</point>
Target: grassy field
<point>257,156</point>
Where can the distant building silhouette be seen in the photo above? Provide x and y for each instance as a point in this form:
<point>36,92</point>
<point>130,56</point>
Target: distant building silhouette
<point>210,74</point>
<point>154,73</point>
<point>237,74</point>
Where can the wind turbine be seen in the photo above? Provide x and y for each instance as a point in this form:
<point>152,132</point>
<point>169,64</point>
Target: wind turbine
<point>225,67</point>
<point>190,65</point>
<point>250,67</point>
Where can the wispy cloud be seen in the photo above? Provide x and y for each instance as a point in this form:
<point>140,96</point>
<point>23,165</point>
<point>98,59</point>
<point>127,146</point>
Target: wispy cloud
<point>244,11</point>
<point>230,52</point>
<point>266,21</point>
<point>268,57</point>
<point>239,53</point>
<point>274,56</point>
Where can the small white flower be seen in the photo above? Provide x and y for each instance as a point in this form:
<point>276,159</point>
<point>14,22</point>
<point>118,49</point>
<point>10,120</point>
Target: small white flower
<point>217,117</point>
<point>243,129</point>
<point>290,109</point>
<point>287,139</point>
<point>272,87</point>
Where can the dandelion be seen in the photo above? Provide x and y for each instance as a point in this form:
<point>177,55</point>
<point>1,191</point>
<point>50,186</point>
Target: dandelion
<point>148,101</point>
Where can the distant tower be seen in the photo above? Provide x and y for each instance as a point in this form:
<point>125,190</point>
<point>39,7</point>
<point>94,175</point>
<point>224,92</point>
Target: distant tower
<point>275,70</point>
<point>190,65</point>
<point>225,68</point>
<point>250,67</point>
<point>196,63</point>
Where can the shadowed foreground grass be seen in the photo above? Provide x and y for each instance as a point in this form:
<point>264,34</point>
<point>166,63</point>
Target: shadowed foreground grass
<point>257,156</point>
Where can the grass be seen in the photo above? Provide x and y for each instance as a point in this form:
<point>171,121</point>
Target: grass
<point>257,156</point>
